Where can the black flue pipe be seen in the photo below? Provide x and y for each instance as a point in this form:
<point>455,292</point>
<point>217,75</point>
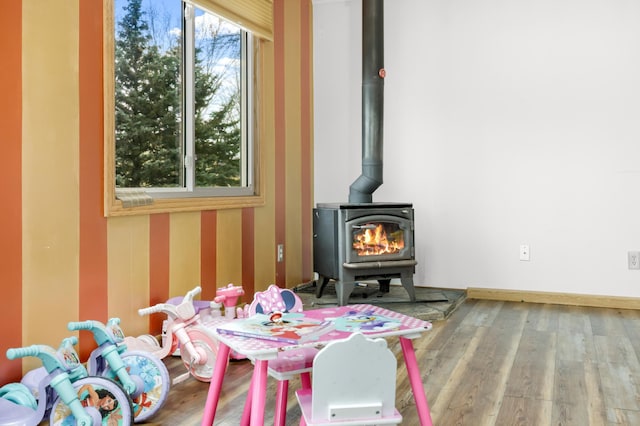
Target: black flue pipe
<point>361,190</point>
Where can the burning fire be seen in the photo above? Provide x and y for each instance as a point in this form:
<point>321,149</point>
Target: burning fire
<point>374,241</point>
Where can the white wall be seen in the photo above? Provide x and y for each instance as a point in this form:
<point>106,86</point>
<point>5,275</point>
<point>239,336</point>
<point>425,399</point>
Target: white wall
<point>506,123</point>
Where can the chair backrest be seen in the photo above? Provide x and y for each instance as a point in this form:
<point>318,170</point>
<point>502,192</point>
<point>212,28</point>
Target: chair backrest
<point>354,379</point>
<point>274,299</point>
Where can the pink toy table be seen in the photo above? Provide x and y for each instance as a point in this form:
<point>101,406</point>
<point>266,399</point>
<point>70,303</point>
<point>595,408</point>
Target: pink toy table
<point>372,321</point>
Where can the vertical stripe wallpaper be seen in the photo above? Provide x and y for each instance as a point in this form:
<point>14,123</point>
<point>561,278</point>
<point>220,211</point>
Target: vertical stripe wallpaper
<point>10,174</point>
<point>279,120</point>
<point>306,140</point>
<point>50,170</point>
<point>61,259</point>
<point>208,253</point>
<point>93,289</point>
<point>158,267</point>
<point>291,141</point>
<point>248,255</point>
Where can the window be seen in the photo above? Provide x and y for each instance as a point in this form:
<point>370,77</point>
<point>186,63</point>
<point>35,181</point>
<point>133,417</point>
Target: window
<point>181,136</point>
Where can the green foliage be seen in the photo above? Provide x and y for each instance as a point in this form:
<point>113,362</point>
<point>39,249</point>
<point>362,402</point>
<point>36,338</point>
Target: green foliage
<point>149,118</point>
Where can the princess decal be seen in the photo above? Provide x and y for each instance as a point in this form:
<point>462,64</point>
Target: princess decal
<point>367,321</point>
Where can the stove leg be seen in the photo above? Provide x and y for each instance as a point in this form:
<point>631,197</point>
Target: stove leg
<point>320,285</point>
<point>384,286</point>
<point>407,283</point>
<point>343,291</point>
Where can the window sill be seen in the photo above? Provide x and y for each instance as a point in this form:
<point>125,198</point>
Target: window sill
<point>114,207</point>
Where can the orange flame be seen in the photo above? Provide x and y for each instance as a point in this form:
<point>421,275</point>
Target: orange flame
<point>373,242</point>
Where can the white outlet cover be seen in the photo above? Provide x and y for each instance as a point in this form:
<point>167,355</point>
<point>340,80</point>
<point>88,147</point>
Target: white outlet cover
<point>524,252</point>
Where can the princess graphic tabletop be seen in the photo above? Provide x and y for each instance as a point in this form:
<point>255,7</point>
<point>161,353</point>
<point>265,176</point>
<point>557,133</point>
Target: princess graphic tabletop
<point>261,335</point>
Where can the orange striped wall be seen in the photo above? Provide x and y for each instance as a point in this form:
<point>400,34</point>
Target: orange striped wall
<point>280,135</point>
<point>61,259</point>
<point>306,139</point>
<point>10,213</point>
<point>93,227</point>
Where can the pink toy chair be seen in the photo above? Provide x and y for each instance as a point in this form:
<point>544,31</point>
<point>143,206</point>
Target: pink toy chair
<point>349,392</point>
<point>289,363</point>
<point>274,299</point>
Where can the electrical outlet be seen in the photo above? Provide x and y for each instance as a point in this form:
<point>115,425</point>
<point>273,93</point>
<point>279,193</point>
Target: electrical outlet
<point>524,252</point>
<point>280,254</point>
<point>633,259</point>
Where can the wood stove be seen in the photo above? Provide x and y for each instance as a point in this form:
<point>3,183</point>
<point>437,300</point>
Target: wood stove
<point>363,241</point>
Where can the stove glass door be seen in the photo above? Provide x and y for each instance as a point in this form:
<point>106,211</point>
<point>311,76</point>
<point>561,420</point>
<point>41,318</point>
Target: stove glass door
<point>377,238</point>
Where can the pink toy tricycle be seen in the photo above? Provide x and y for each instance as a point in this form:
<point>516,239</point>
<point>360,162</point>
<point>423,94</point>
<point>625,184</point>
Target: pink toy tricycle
<point>188,329</point>
<point>184,327</point>
<point>229,296</point>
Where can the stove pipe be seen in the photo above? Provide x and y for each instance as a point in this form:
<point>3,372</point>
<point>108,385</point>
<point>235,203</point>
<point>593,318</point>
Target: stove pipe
<point>373,73</point>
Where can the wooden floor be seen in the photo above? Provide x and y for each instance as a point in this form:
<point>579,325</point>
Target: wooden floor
<point>489,363</point>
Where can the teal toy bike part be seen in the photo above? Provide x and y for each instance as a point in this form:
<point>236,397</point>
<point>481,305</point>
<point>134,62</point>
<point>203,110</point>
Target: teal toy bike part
<point>142,375</point>
<point>19,394</point>
<point>56,390</point>
<point>107,398</point>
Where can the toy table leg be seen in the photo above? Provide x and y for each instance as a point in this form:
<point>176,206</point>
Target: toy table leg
<point>246,412</point>
<point>281,403</point>
<point>416,381</point>
<point>259,392</point>
<point>215,385</point>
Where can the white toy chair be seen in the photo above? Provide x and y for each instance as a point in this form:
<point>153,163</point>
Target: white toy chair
<point>289,363</point>
<point>346,390</point>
